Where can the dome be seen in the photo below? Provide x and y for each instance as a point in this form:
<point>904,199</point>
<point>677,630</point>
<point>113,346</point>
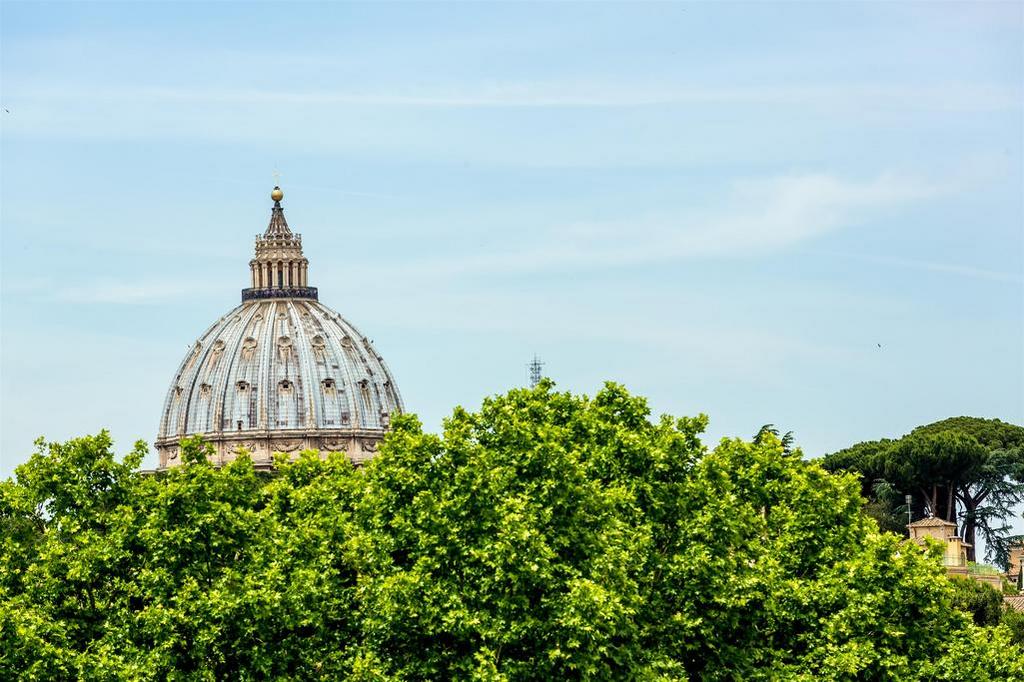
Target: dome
<point>281,372</point>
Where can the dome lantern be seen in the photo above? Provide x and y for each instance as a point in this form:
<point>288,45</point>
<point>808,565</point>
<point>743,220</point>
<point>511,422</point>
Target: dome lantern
<point>278,269</point>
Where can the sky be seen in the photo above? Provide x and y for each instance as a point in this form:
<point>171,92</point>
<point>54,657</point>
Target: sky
<point>805,214</point>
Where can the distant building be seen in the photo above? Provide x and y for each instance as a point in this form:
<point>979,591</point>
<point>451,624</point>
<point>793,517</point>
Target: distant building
<point>954,556</point>
<point>1016,568</point>
<point>281,372</point>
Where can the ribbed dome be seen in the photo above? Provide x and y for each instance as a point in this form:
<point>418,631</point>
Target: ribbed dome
<point>281,372</point>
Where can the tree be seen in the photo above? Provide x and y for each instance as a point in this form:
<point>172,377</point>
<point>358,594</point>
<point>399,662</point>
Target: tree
<point>545,536</point>
<point>983,603</point>
<point>1014,621</point>
<point>196,573</point>
<point>992,482</point>
<point>887,507</point>
<point>786,439</point>
<point>966,470</point>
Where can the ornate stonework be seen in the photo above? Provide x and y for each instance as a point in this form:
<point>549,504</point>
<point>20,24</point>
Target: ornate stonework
<point>281,372</point>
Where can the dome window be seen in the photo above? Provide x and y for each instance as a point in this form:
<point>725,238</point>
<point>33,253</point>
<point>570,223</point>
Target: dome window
<point>328,385</point>
<point>364,391</point>
<point>248,348</point>
<point>285,385</point>
<point>319,349</point>
<point>284,348</point>
<point>242,386</point>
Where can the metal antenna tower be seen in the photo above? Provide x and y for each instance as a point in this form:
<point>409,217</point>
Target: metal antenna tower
<point>535,371</point>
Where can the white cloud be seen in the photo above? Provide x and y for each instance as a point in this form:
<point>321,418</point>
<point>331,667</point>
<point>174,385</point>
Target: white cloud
<point>115,292</point>
<point>945,268</point>
<point>538,94</point>
<point>757,217</point>
<point>433,121</point>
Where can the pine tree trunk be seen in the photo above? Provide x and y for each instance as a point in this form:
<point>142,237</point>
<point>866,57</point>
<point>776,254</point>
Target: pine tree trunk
<point>968,529</point>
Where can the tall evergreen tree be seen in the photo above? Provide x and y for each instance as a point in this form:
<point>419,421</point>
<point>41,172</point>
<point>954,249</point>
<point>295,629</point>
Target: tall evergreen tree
<point>967,470</point>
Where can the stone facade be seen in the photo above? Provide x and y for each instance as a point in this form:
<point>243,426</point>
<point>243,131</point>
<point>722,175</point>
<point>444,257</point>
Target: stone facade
<point>954,556</point>
<point>263,445</point>
<point>1015,574</point>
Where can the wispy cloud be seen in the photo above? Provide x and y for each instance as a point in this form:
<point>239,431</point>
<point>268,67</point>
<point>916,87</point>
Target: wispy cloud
<point>945,268</point>
<point>469,122</point>
<point>115,292</point>
<point>757,217</point>
<point>548,94</point>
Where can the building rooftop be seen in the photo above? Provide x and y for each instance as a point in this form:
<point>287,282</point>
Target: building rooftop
<point>1016,603</point>
<point>930,522</point>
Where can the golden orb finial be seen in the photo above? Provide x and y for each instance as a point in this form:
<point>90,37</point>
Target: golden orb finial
<point>277,194</point>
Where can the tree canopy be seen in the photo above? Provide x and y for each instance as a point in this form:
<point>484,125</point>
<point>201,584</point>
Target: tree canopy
<point>544,536</point>
<point>966,470</point>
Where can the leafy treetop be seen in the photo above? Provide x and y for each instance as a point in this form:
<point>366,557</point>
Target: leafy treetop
<point>545,536</point>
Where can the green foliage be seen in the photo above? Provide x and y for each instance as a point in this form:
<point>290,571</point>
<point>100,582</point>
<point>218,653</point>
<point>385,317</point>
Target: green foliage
<point>992,433</point>
<point>785,439</point>
<point>983,603</point>
<point>862,458</point>
<point>1013,621</point>
<point>546,536</point>
<point>982,655</point>
<point>886,506</point>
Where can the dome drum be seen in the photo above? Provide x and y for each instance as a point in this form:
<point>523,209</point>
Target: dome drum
<point>261,446</point>
<point>254,293</point>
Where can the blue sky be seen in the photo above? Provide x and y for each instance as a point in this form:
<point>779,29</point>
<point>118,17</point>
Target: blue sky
<point>726,207</point>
